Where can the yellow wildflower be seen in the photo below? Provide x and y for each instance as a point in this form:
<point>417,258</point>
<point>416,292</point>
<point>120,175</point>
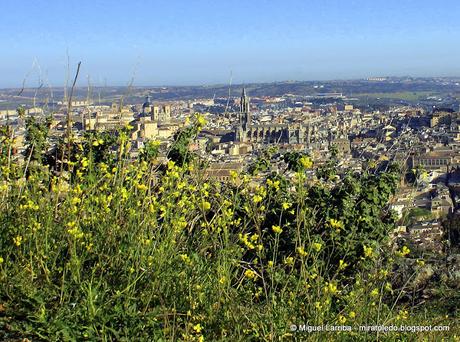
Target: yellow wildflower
<point>388,287</point>
<point>289,261</point>
<point>342,264</point>
<point>201,120</point>
<point>330,288</point>
<point>403,252</point>
<point>171,164</point>
<point>233,174</point>
<point>84,162</point>
<point>75,200</point>
<point>205,205</point>
<point>245,239</point>
<point>403,314</point>
<point>17,240</point>
<point>317,246</point>
<point>286,205</point>
<point>368,252</point>
<point>301,251</point>
<point>185,258</point>
<point>197,328</point>
<point>336,224</point>
<point>306,162</point>
<point>250,274</point>
<point>142,187</point>
<point>257,199</point>
<point>277,229</point>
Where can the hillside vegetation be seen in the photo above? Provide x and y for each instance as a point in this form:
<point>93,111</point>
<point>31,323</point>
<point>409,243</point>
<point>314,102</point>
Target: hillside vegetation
<point>95,246</point>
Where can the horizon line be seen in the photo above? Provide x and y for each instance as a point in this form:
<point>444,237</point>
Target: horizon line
<point>236,84</point>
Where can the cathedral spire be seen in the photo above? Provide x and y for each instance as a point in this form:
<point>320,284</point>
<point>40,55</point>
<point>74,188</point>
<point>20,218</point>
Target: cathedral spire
<point>244,102</point>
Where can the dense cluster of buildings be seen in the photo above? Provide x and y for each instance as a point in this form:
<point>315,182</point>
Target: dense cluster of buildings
<point>424,141</point>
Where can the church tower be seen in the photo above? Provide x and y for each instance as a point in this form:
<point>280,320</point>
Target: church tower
<point>245,114</point>
<point>242,130</point>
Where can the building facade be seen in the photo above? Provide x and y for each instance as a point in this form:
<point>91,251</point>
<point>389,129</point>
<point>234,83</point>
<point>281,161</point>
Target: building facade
<point>247,132</point>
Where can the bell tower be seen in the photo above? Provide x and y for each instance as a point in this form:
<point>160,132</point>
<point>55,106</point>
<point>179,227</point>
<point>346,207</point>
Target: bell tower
<point>245,114</point>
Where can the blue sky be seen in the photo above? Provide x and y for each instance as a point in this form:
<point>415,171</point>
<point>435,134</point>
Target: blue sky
<point>202,41</point>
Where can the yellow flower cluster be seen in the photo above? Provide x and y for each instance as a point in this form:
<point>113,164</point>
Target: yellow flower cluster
<point>277,229</point>
<point>368,252</point>
<point>336,224</point>
<point>74,231</point>
<point>17,240</point>
<point>30,205</point>
<point>273,184</point>
<point>301,251</point>
<point>98,142</point>
<point>36,226</point>
<point>250,241</point>
<point>197,328</point>
<point>3,187</point>
<point>84,163</point>
<point>286,205</point>
<point>141,187</point>
<point>403,252</point>
<point>330,288</point>
<point>257,199</point>
<point>205,205</point>
<point>375,293</point>
<point>388,287</point>
<point>402,314</point>
<point>289,261</point>
<point>250,274</point>
<point>306,162</point>
<point>201,121</point>
<point>342,264</point>
<point>317,246</point>
<point>185,258</point>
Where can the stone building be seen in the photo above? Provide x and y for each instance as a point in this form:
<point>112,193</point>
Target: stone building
<point>158,114</point>
<point>247,132</point>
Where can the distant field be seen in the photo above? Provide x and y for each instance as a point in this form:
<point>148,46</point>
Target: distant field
<point>406,95</point>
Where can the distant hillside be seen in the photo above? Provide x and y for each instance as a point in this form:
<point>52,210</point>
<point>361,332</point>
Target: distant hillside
<point>11,97</point>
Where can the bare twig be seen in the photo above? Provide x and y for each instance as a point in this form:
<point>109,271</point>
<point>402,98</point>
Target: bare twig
<point>69,104</point>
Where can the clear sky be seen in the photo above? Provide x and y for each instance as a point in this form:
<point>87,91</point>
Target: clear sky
<point>181,42</point>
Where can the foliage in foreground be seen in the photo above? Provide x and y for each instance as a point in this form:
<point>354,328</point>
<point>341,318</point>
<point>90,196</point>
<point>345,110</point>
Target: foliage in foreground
<point>127,250</point>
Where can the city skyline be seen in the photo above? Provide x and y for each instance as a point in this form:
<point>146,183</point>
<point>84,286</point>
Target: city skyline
<point>204,43</point>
